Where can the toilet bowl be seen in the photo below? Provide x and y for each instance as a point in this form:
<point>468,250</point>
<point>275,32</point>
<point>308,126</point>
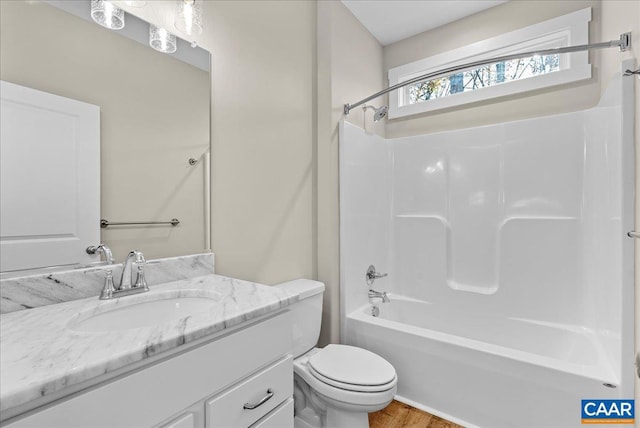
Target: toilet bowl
<point>346,384</point>
<point>336,386</point>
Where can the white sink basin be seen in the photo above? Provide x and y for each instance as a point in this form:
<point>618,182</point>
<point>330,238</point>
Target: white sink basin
<point>162,308</point>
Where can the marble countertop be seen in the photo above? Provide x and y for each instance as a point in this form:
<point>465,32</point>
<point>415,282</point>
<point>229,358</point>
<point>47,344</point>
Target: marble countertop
<point>42,354</point>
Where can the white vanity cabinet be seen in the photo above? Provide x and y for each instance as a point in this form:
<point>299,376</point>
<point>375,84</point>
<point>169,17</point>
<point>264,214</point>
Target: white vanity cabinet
<point>208,385</point>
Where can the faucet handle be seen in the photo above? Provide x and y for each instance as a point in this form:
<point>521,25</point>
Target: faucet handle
<point>140,279</point>
<point>101,248</point>
<point>372,275</point>
<point>108,288</point>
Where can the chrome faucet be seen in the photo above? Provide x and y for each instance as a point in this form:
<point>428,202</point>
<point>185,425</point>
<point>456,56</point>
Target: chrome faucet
<point>101,249</point>
<point>110,291</point>
<point>373,294</point>
<point>371,275</point>
<point>125,279</point>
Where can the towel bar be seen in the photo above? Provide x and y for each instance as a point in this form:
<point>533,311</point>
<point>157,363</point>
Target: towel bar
<point>106,223</point>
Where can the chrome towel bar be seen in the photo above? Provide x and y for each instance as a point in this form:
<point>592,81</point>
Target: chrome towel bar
<point>106,223</point>
<point>633,234</point>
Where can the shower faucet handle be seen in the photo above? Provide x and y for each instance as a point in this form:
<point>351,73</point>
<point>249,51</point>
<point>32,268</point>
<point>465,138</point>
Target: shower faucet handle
<point>101,249</point>
<point>372,275</point>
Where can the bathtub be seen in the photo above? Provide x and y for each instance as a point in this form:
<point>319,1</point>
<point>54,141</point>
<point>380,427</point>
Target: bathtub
<point>487,371</point>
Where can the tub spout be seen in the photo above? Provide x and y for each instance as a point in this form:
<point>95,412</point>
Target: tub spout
<point>373,294</point>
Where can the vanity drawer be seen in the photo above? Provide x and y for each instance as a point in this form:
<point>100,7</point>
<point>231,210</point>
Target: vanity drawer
<point>264,390</point>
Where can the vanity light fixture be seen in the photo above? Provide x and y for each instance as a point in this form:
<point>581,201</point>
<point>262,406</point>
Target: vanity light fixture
<point>106,14</point>
<point>189,16</point>
<point>162,40</point>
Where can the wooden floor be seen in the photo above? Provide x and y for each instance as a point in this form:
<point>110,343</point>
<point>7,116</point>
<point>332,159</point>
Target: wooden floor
<point>399,415</point>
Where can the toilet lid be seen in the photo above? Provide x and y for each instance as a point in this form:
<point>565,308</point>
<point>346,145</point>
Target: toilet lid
<point>352,365</point>
<point>350,386</point>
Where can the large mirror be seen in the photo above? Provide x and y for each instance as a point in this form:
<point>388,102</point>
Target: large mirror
<point>154,117</point>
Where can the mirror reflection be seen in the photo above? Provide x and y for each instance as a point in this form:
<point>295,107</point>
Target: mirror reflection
<point>154,118</point>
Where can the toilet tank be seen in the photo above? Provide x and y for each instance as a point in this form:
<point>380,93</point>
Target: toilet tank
<point>307,313</point>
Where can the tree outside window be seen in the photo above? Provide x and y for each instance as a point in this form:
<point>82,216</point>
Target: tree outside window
<point>485,76</point>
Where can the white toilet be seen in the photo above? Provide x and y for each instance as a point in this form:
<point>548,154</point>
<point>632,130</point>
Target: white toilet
<point>336,386</point>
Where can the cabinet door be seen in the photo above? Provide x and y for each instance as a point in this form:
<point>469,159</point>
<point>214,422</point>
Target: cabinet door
<point>282,417</point>
<point>193,417</point>
<point>186,420</point>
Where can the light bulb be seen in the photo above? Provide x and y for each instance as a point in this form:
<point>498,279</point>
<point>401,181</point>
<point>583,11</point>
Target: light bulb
<point>106,14</point>
<point>189,16</point>
<point>162,40</point>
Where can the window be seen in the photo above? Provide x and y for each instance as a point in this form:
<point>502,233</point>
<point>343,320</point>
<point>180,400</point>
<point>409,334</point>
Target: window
<point>483,77</point>
<point>498,79</point>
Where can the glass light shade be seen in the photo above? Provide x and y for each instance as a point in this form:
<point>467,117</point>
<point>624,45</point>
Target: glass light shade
<point>189,16</point>
<point>162,40</point>
<point>106,14</point>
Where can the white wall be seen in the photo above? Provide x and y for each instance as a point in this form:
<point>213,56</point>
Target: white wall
<point>366,182</point>
<point>523,219</point>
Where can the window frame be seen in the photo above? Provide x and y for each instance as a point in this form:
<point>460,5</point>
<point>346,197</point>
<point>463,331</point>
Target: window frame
<point>568,30</point>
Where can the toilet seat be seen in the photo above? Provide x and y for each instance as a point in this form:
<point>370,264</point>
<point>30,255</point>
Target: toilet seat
<point>351,368</point>
<point>352,387</point>
<point>342,397</point>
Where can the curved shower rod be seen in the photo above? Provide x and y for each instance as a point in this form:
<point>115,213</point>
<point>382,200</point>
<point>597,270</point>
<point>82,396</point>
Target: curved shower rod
<point>624,43</point>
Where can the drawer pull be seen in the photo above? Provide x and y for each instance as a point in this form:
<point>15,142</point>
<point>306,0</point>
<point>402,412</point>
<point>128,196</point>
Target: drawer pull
<point>264,399</point>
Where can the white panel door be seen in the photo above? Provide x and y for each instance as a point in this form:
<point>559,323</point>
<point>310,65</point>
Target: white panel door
<point>49,179</point>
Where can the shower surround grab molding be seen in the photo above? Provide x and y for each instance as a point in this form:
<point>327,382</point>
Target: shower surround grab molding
<point>510,268</point>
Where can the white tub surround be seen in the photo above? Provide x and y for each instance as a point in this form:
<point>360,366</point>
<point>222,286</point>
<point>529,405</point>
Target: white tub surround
<point>32,291</point>
<point>43,357</point>
<point>510,269</point>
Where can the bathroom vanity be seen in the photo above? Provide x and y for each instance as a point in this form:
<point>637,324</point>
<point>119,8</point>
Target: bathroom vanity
<point>221,358</point>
